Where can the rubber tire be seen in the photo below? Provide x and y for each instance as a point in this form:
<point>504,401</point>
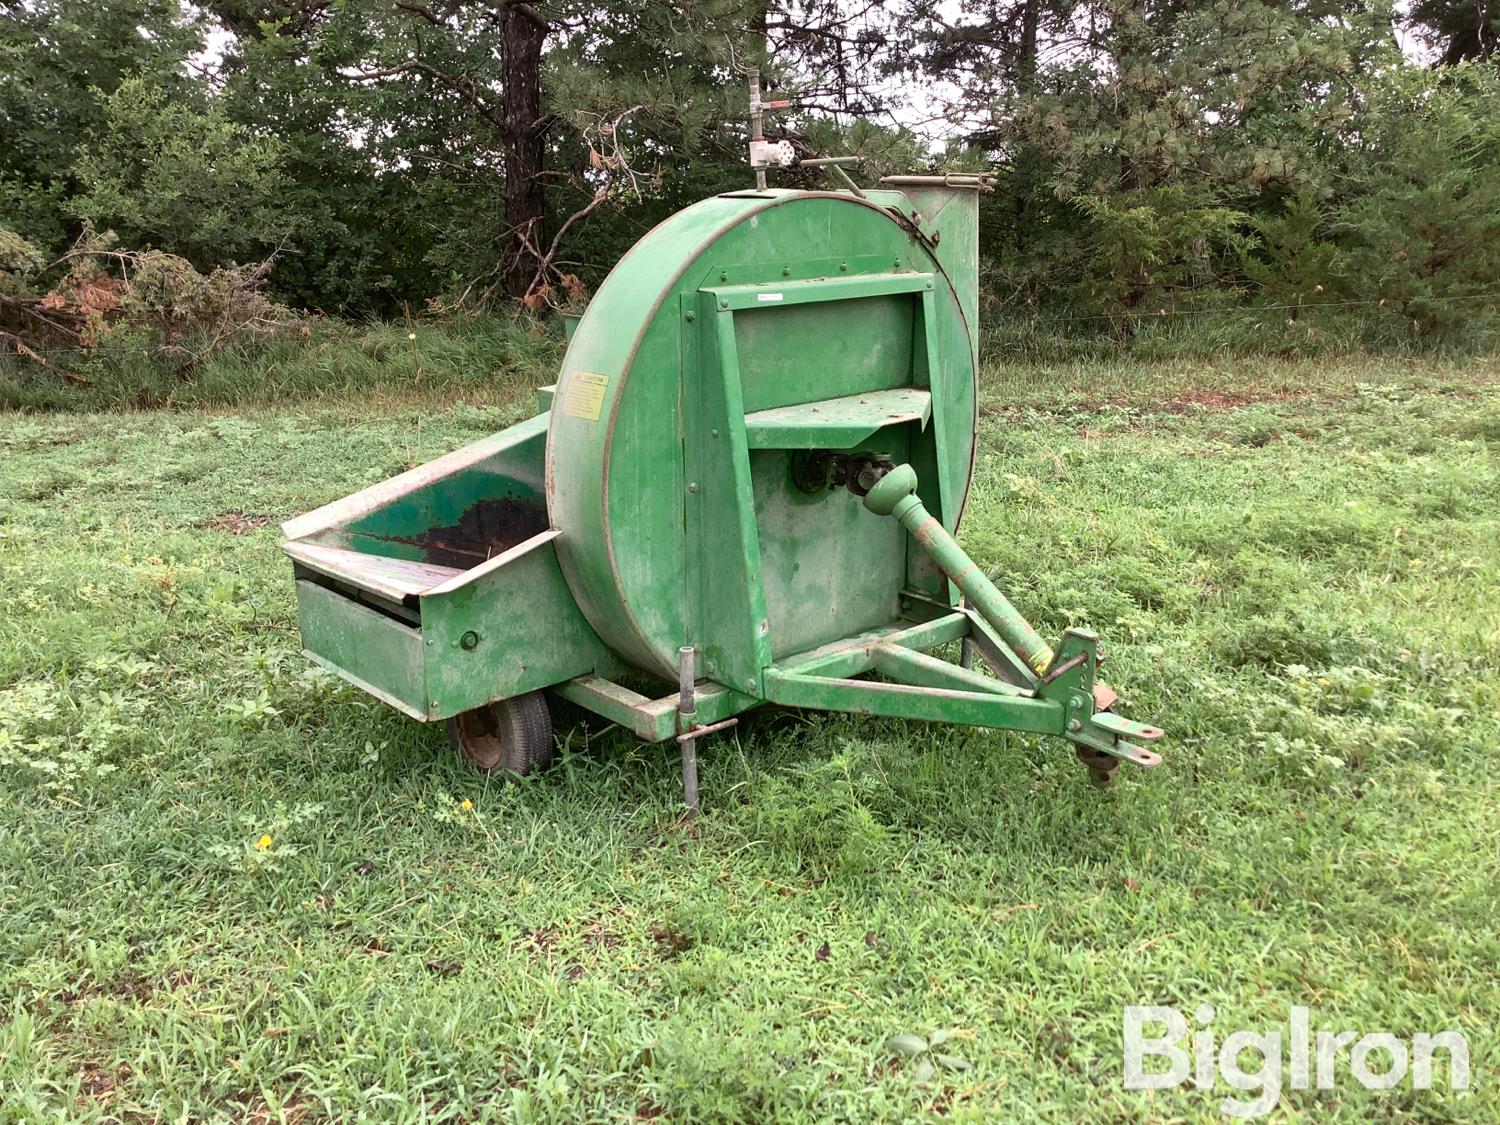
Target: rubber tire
<point>513,736</point>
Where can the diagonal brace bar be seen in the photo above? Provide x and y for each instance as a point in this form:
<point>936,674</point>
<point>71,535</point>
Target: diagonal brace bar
<point>905,701</point>
<point>911,667</point>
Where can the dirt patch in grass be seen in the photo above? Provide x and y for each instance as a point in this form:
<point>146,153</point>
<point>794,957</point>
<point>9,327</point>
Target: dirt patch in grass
<point>1214,400</point>
<point>234,521</point>
<point>670,943</point>
<point>1170,403</point>
<point>598,935</point>
<point>127,986</point>
<point>541,939</point>
<point>97,1082</point>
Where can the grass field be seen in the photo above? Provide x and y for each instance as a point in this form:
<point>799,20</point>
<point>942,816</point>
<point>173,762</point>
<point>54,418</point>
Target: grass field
<point>1295,569</point>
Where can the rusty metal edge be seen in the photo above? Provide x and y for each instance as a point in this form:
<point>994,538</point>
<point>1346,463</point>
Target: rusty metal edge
<point>463,578</point>
<point>341,511</point>
<point>383,696</point>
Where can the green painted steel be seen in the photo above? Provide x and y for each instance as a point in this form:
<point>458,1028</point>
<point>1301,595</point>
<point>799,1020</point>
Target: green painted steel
<point>949,215</point>
<point>653,720</point>
<point>499,630</point>
<point>906,701</point>
<point>910,667</point>
<point>855,655</point>
<point>504,629</point>
<point>439,590</point>
<point>497,483</point>
<point>745,303</point>
<point>896,496</point>
<point>694,483</point>
<point>374,651</point>
<point>826,568</point>
<point>837,423</point>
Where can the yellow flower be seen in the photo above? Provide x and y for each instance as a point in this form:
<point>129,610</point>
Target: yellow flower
<point>263,843</point>
<point>411,335</point>
<point>466,804</point>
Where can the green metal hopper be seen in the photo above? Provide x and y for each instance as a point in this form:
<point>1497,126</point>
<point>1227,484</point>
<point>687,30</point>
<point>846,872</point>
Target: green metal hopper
<point>745,484</point>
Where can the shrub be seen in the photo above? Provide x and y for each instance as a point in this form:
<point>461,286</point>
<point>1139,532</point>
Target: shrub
<point>168,172</point>
<point>1421,223</point>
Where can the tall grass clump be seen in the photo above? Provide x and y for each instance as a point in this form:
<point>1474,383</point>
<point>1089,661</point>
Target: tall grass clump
<point>493,356</point>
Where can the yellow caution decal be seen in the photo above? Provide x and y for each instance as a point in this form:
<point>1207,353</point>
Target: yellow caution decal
<point>585,395</point>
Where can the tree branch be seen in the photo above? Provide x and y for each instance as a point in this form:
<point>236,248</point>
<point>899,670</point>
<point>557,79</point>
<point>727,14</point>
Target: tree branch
<point>463,87</point>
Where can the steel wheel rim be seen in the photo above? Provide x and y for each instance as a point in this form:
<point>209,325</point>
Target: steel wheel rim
<point>479,737</point>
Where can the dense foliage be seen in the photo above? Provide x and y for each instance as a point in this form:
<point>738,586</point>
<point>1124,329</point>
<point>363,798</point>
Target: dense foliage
<point>1192,156</point>
<point>1151,156</point>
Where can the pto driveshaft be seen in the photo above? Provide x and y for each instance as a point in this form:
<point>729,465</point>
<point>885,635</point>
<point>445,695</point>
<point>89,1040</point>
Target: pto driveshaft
<point>895,495</point>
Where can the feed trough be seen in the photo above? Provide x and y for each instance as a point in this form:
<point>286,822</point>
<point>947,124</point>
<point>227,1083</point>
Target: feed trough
<point>742,490</point>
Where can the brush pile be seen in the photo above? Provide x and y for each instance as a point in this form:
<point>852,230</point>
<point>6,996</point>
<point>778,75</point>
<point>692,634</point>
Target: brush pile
<point>97,291</point>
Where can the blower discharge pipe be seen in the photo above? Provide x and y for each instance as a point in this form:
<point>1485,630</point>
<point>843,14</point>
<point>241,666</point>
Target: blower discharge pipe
<point>895,494</point>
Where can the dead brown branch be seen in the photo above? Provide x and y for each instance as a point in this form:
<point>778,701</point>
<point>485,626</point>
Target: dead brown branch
<point>187,314</point>
<point>613,177</point>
